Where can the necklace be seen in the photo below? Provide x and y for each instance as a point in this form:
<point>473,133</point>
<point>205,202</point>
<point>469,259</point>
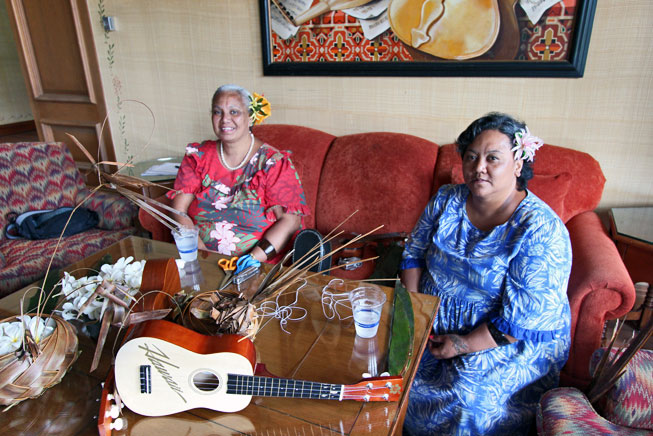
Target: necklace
<point>224,161</point>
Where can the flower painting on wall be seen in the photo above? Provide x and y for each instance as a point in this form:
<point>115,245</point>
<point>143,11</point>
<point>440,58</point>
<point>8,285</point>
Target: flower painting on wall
<point>526,38</point>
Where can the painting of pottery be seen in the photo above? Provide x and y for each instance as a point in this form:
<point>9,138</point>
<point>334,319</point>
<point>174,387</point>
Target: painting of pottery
<point>426,37</point>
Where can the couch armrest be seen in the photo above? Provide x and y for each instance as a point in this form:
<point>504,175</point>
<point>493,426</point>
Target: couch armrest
<point>115,212</point>
<point>564,411</point>
<point>599,289</point>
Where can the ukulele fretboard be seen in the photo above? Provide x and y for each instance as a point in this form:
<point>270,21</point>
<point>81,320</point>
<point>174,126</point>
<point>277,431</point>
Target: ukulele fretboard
<point>278,387</point>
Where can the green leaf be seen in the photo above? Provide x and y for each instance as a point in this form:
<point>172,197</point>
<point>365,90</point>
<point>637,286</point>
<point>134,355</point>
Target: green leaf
<point>402,331</point>
<point>45,286</point>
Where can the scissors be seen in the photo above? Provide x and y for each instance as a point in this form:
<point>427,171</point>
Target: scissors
<point>229,267</point>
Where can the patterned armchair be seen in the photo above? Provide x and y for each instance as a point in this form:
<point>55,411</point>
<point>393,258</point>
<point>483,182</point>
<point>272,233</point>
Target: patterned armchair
<point>39,176</point>
<point>626,409</point>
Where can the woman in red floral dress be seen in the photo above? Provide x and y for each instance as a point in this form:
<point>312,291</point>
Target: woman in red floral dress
<point>244,195</point>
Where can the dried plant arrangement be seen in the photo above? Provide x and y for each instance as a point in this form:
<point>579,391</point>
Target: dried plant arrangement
<point>231,311</point>
<point>45,349</point>
<point>39,362</point>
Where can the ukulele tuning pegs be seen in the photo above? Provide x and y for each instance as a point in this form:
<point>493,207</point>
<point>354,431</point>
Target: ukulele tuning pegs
<point>369,386</point>
<point>113,412</point>
<point>118,424</point>
<point>386,397</point>
<point>388,385</point>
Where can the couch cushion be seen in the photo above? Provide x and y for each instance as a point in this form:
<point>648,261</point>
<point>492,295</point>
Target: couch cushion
<point>27,261</point>
<point>587,179</point>
<point>308,147</point>
<point>36,176</point>
<point>387,177</point>
<point>553,191</point>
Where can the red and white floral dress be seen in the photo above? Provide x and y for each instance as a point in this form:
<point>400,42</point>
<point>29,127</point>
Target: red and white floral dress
<point>233,209</point>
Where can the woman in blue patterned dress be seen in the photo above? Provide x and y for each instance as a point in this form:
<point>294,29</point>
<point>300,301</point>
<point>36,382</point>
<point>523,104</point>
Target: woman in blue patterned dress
<point>499,259</point>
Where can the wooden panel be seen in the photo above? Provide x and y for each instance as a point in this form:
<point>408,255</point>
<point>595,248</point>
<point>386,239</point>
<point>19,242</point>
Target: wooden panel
<point>57,64</point>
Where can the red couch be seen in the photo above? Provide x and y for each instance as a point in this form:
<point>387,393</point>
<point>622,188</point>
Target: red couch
<point>389,178</point>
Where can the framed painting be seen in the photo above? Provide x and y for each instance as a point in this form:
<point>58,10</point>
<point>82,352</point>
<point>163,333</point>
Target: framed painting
<point>502,38</point>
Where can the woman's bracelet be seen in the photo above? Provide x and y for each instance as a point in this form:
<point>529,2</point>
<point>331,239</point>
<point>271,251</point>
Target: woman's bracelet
<point>496,334</point>
<point>267,247</point>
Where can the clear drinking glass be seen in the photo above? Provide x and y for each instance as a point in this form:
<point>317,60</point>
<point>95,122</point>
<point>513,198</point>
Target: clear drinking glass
<point>367,305</point>
<point>186,239</point>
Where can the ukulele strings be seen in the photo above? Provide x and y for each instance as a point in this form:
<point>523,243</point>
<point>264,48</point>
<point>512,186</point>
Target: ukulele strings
<point>304,389</point>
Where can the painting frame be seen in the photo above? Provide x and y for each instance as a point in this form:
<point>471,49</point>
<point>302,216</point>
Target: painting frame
<point>573,67</point>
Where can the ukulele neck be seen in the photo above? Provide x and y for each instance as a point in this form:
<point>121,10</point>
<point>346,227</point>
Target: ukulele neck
<point>279,387</point>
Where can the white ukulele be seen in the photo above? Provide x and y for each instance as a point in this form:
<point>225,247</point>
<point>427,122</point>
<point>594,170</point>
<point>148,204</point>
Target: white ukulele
<point>155,375</point>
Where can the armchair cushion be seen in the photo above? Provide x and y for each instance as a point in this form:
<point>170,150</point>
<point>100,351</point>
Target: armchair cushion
<point>36,176</point>
<point>43,176</point>
<point>115,212</point>
<point>630,401</point>
<point>626,408</point>
<point>27,260</point>
<point>567,411</point>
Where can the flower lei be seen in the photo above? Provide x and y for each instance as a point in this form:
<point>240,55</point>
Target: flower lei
<point>259,108</point>
<point>526,145</point>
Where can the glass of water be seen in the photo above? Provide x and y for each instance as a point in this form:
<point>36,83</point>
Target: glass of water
<point>367,305</point>
<point>186,239</point>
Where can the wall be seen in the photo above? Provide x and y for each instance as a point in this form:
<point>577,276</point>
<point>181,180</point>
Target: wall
<point>14,102</point>
<point>172,54</point>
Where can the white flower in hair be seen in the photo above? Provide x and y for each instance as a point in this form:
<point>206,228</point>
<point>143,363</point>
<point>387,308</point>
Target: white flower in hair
<point>526,145</point>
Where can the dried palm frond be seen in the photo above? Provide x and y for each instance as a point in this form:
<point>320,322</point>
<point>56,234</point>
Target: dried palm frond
<point>224,313</point>
<point>608,371</point>
<point>280,280</point>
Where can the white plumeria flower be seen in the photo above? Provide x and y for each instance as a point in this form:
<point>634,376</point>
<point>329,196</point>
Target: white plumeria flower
<point>69,311</point>
<point>11,337</point>
<point>116,272</point>
<point>124,272</point>
<point>41,328</point>
<point>190,149</point>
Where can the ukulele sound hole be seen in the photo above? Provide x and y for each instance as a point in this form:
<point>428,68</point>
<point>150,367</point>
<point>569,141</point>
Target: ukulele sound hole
<point>206,381</point>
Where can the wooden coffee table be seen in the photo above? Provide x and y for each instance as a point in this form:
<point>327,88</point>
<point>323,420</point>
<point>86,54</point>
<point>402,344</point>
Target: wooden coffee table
<point>314,349</point>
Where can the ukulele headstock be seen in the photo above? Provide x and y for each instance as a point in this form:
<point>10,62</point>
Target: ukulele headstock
<point>375,389</point>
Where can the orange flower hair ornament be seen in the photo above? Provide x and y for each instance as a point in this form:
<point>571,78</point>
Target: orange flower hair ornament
<point>526,145</point>
<point>260,108</point>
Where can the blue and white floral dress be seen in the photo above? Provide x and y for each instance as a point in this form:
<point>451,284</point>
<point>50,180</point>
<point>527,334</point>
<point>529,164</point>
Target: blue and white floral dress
<point>514,276</point>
